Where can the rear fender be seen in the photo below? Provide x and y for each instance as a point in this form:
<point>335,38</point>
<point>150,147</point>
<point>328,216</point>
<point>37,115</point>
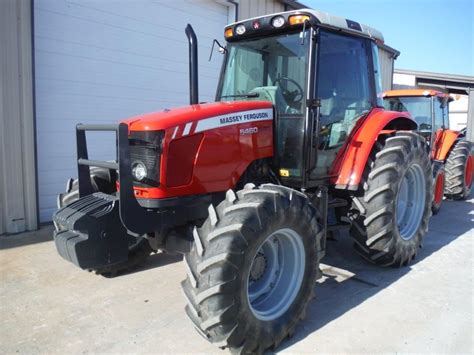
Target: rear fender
<point>444,141</point>
<point>352,159</point>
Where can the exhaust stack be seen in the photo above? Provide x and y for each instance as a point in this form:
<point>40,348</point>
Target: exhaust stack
<point>193,65</point>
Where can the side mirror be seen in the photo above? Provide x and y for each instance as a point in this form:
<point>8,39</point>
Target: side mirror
<point>221,49</point>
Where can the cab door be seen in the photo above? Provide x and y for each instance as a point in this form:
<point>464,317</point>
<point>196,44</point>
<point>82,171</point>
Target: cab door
<point>343,94</point>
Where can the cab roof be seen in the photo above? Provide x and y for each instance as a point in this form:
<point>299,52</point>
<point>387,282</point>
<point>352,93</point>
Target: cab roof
<point>317,17</point>
<point>415,92</point>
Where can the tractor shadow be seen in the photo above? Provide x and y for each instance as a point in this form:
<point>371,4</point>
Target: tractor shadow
<point>158,260</point>
<point>348,280</point>
<point>155,260</point>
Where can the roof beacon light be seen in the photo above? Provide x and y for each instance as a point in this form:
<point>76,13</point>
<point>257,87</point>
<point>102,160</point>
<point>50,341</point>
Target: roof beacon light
<point>278,21</point>
<point>297,19</point>
<point>240,29</point>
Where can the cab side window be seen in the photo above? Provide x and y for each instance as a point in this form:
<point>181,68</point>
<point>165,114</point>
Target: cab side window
<point>446,115</point>
<point>439,112</point>
<point>343,85</point>
<point>377,73</point>
<point>344,90</point>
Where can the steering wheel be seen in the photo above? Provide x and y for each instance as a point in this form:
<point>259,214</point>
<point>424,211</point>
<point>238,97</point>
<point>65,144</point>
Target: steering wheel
<point>292,97</point>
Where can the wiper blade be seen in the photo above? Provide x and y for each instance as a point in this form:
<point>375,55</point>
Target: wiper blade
<point>254,94</point>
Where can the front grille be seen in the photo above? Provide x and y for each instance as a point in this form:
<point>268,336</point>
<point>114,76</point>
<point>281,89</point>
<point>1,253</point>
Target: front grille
<point>146,147</point>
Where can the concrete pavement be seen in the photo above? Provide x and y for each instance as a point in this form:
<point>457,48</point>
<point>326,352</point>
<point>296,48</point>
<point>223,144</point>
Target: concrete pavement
<point>47,305</point>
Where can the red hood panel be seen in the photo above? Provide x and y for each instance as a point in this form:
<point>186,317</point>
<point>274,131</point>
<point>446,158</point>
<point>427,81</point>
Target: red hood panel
<point>181,115</point>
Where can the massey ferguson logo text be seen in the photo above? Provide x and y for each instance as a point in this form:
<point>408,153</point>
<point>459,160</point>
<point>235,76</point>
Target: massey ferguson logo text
<point>243,118</point>
<point>232,119</point>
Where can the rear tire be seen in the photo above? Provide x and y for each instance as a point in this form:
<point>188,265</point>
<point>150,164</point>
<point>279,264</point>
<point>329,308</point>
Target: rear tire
<point>459,171</point>
<point>439,178</point>
<point>101,180</point>
<point>139,248</point>
<point>228,265</point>
<point>394,207</point>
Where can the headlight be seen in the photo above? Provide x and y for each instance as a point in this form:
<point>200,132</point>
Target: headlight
<point>240,29</point>
<point>278,21</point>
<point>139,171</point>
<point>146,148</point>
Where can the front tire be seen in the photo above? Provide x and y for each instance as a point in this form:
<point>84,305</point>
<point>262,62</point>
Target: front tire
<point>394,207</point>
<point>459,171</point>
<point>237,297</point>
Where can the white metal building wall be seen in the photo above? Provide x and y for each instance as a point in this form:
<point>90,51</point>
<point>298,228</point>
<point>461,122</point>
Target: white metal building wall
<point>254,8</point>
<point>458,111</point>
<point>17,155</point>
<point>95,62</point>
<point>100,61</point>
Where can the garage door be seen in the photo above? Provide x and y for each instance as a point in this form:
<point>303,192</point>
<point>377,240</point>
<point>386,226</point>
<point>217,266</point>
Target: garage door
<point>100,61</point>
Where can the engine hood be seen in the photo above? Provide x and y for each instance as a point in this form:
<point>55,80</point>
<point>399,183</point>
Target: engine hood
<point>177,116</point>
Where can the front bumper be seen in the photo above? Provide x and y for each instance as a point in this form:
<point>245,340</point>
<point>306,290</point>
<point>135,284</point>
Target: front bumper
<point>133,216</point>
<point>96,229</point>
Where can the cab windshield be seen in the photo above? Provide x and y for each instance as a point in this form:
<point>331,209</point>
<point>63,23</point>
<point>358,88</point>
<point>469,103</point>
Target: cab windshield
<point>273,68</point>
<point>418,107</point>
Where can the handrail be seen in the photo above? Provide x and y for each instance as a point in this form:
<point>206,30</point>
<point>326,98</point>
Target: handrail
<point>97,127</point>
<point>98,163</point>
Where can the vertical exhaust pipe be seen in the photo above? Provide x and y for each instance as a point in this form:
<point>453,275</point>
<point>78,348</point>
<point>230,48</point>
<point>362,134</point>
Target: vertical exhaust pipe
<point>193,65</point>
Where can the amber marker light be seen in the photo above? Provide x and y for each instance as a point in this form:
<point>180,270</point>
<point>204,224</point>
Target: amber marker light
<point>297,19</point>
<point>228,33</point>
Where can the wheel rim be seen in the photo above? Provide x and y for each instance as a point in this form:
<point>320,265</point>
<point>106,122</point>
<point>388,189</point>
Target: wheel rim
<point>276,274</point>
<point>411,202</point>
<point>439,189</point>
<point>469,171</point>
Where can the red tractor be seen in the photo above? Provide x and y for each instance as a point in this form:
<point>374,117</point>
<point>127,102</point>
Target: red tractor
<point>451,153</point>
<point>297,144</point>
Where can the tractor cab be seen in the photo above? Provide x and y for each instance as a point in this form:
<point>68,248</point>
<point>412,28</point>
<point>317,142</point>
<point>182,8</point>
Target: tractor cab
<point>429,108</point>
<point>320,81</point>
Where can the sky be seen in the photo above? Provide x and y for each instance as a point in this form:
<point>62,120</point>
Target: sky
<point>432,35</point>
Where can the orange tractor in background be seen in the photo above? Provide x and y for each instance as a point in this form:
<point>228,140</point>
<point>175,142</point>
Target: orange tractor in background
<point>451,153</point>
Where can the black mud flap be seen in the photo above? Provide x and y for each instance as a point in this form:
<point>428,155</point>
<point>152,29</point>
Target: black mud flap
<point>90,233</point>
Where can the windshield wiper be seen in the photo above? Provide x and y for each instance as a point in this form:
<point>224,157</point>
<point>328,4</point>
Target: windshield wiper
<point>254,94</point>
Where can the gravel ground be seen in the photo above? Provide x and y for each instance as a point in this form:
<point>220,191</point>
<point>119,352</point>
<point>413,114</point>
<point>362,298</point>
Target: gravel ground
<point>47,305</point>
